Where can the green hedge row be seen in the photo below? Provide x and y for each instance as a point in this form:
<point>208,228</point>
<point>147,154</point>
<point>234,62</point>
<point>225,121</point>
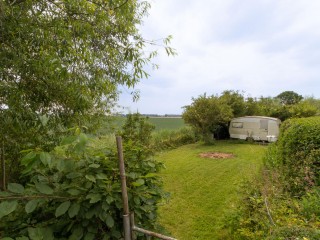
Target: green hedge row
<point>297,153</point>
<point>169,139</point>
<point>283,202</point>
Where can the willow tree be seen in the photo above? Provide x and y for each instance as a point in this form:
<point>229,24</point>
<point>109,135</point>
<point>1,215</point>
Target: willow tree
<point>61,63</point>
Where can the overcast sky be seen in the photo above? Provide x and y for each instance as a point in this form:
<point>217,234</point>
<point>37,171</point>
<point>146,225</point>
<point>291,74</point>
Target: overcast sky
<point>260,47</point>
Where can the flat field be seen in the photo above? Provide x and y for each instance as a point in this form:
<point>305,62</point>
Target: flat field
<point>169,123</point>
<point>161,123</point>
<point>202,189</point>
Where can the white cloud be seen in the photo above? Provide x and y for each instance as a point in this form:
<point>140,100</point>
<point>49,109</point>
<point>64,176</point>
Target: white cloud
<point>261,47</point>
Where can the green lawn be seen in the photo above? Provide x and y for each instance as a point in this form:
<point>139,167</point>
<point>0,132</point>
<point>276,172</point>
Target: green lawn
<point>202,188</point>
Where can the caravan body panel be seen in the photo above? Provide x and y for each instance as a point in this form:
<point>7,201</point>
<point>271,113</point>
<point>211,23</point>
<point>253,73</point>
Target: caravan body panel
<point>256,127</point>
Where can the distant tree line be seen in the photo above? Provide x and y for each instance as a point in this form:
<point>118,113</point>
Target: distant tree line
<point>210,115</point>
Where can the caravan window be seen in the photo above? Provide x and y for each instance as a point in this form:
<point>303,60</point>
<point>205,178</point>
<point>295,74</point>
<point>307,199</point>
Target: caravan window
<point>237,125</point>
<point>264,124</point>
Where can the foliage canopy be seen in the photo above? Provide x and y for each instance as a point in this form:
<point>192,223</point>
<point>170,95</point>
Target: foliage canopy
<point>206,114</point>
<point>61,63</point>
<point>289,97</point>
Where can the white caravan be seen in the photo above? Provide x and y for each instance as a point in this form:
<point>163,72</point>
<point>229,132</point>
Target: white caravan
<point>255,127</point>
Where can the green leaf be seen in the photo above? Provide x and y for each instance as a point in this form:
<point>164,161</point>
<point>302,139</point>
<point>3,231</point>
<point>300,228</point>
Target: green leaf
<point>83,139</point>
<point>115,233</point>
<point>29,158</point>
<point>40,233</point>
<point>73,191</point>
<point>94,197</point>
<point>150,175</point>
<point>109,221</point>
<point>79,147</point>
<point>63,208</point>
<point>31,205</point>
<point>138,183</point>
<point>44,188</point>
<point>7,238</point>
<point>35,233</point>
<point>45,158</point>
<point>74,210</point>
<point>91,178</point>
<point>27,150</point>
<point>89,236</point>
<point>77,234</point>
<point>15,188</point>
<point>151,164</point>
<point>94,165</point>
<point>102,176</point>
<point>7,207</point>
<point>68,140</point>
<point>109,199</point>
<point>73,175</point>
<point>136,200</point>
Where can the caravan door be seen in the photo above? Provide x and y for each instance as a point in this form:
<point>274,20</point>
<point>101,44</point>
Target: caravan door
<point>264,126</point>
<point>273,131</point>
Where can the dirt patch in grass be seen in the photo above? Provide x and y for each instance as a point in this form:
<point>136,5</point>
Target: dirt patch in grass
<point>216,155</point>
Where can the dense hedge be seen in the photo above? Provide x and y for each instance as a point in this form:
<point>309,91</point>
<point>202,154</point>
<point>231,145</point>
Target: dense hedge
<point>169,139</point>
<point>297,153</point>
<point>283,202</point>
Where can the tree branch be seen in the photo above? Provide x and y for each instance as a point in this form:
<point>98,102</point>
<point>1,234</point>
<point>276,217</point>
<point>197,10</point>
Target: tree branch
<point>15,2</point>
<point>125,2</point>
<point>100,5</point>
<point>268,212</point>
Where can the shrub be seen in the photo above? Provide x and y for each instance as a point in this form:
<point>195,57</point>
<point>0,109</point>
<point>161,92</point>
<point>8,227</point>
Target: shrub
<point>168,139</point>
<point>74,192</point>
<point>310,205</point>
<point>298,153</point>
<point>283,202</point>
<point>294,233</point>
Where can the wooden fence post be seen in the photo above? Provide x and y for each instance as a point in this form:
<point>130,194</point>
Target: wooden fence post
<point>126,213</point>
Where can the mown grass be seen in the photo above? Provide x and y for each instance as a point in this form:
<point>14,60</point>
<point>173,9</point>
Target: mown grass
<point>203,189</point>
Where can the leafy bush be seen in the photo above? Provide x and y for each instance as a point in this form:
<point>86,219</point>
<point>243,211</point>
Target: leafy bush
<point>74,192</point>
<point>310,205</point>
<point>265,211</point>
<point>298,153</point>
<point>168,139</point>
<point>295,233</point>
<point>284,201</point>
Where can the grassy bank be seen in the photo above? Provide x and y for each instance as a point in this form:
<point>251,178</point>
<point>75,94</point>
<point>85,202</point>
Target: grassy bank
<point>202,189</point>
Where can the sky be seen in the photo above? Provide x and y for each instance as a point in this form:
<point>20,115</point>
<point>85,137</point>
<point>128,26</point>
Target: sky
<point>257,47</point>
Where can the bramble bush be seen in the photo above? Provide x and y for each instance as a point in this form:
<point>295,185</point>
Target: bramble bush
<point>74,192</point>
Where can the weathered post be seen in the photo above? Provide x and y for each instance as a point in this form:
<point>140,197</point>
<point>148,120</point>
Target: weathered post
<point>126,214</point>
<point>128,219</point>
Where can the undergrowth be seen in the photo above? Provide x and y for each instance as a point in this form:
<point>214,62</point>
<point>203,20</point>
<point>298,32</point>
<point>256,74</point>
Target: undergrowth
<point>283,202</point>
